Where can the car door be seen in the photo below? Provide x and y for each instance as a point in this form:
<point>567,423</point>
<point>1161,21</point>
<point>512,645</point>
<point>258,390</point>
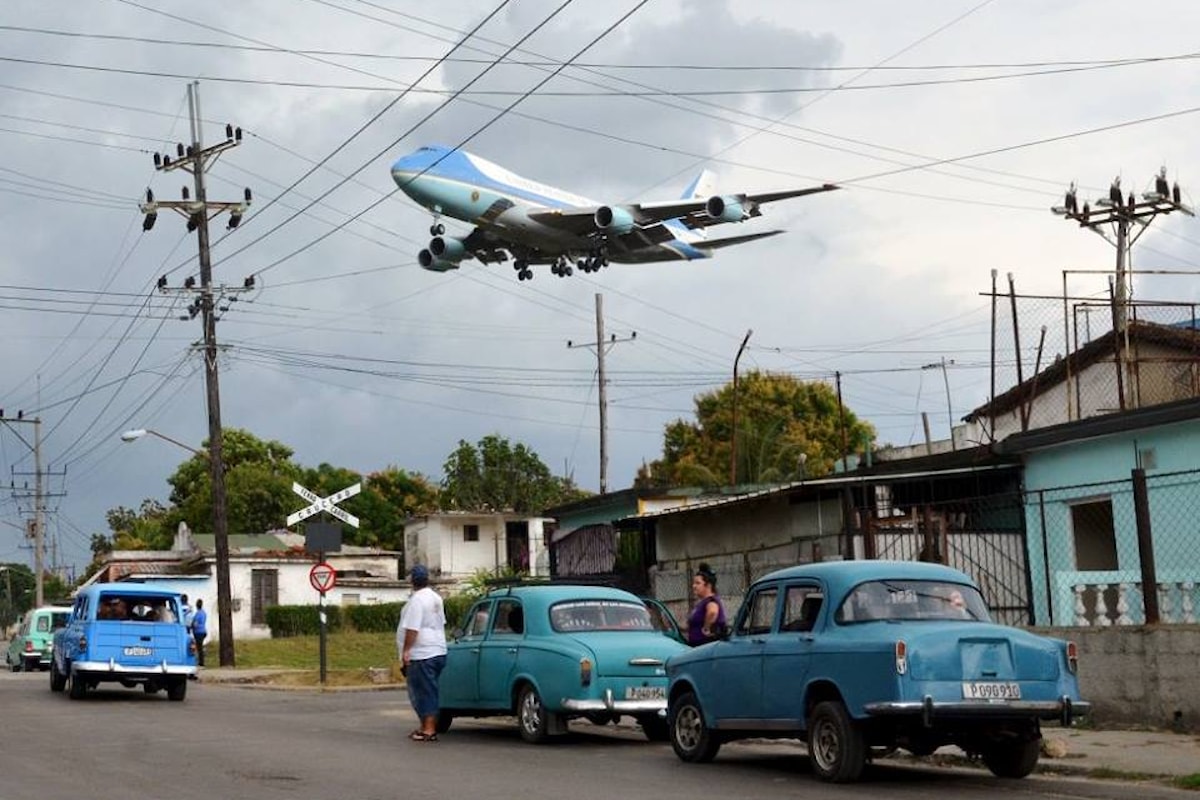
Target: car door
<point>787,654</point>
<point>663,620</point>
<point>459,684</point>
<point>498,654</point>
<point>737,699</point>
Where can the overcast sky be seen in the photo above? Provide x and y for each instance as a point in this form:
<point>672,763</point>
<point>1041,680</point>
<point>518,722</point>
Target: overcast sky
<point>953,125</point>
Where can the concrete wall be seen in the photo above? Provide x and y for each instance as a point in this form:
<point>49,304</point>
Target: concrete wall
<point>1139,675</point>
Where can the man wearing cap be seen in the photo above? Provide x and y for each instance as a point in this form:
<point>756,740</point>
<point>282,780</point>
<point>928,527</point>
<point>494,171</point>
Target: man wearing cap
<point>421,640</point>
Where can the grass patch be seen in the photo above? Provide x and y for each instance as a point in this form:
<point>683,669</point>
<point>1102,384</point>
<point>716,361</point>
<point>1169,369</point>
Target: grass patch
<point>1188,782</point>
<point>1106,773</point>
<point>344,650</point>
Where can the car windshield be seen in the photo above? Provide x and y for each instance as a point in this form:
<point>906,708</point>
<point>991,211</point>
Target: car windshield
<point>599,615</point>
<point>912,600</point>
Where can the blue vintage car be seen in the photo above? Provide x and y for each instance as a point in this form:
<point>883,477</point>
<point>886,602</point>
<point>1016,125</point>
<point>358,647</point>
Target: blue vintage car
<point>127,633</point>
<point>550,653</point>
<point>867,656</point>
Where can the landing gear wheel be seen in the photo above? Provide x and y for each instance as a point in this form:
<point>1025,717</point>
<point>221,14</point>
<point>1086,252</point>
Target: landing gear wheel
<point>437,229</point>
<point>1013,759</point>
<point>532,717</point>
<point>835,744</point>
<point>690,737</point>
<point>569,272</point>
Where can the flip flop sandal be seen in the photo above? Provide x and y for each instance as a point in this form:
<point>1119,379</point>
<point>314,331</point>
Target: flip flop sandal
<point>420,736</point>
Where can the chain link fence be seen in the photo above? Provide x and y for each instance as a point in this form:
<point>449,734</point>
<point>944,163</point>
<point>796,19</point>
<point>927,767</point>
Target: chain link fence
<point>1094,548</point>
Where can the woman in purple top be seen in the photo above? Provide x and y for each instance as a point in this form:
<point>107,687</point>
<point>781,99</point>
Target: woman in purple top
<point>707,620</point>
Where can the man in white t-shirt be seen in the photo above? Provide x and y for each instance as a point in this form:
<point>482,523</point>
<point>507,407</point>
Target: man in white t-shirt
<point>421,640</point>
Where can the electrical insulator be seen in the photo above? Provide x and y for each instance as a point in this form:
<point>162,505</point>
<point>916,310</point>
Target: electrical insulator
<point>179,149</point>
<point>162,282</point>
<point>246,194</point>
<point>148,221</point>
<point>189,282</point>
<point>185,193</point>
<point>157,160</point>
<point>149,195</point>
<point>228,131</point>
<point>237,134</point>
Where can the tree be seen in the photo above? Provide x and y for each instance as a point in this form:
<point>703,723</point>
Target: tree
<point>496,476</point>
<point>786,429</point>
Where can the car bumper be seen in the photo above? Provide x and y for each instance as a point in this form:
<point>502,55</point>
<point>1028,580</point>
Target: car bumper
<point>1064,709</point>
<point>132,671</point>
<point>611,704</point>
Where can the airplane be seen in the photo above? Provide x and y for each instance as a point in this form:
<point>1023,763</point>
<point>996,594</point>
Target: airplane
<point>531,223</point>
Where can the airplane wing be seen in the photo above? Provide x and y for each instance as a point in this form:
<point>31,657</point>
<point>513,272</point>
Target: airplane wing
<point>693,212</point>
<point>712,244</point>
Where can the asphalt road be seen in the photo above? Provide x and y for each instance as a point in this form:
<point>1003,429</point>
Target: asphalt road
<point>231,742</point>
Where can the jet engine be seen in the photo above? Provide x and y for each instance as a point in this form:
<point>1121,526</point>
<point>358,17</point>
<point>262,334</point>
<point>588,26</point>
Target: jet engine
<point>726,209</point>
<point>447,248</point>
<point>429,261</point>
<point>616,221</point>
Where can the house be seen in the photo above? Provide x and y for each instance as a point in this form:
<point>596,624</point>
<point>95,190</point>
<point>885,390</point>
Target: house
<point>1090,535</point>
<point>1159,364</point>
<point>264,570</point>
<point>458,544</point>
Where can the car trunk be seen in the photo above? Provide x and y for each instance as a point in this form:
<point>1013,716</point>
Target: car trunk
<point>956,651</point>
<point>629,655</point>
<point>138,643</point>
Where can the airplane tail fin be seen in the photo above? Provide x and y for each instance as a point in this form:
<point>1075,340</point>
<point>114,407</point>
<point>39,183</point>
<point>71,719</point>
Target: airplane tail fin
<point>703,185</point>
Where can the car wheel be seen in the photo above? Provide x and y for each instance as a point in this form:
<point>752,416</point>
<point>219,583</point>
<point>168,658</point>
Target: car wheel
<point>444,721</point>
<point>655,728</point>
<point>532,717</point>
<point>177,689</point>
<point>77,684</point>
<point>58,681</point>
<point>835,744</point>
<point>1012,759</point>
<point>690,736</point>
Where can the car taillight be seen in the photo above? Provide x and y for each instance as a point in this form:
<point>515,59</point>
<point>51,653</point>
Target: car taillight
<point>901,657</point>
<point>1072,657</point>
<point>585,672</point>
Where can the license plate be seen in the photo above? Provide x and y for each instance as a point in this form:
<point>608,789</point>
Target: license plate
<point>138,651</point>
<point>991,691</point>
<point>645,693</point>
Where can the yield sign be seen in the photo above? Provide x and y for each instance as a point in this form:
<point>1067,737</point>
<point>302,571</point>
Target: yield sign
<point>328,504</point>
<point>322,577</point>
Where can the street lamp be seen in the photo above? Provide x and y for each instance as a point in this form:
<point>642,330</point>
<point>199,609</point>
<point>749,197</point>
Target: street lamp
<point>220,534</point>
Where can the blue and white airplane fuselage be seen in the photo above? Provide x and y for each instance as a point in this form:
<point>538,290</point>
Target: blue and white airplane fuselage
<point>538,224</point>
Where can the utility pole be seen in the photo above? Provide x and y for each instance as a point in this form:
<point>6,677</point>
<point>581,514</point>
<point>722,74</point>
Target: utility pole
<point>602,346</point>
<point>1113,218</point>
<point>37,524</point>
<point>197,160</point>
<point>949,407</point>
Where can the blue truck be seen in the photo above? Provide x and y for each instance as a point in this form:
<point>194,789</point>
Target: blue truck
<point>127,633</point>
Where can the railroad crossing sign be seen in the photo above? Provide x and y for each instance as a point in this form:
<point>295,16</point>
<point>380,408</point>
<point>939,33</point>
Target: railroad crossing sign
<point>318,504</point>
<point>323,577</point>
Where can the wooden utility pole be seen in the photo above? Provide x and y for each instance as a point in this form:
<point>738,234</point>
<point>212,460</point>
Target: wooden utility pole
<point>196,159</point>
<point>733,433</point>
<point>602,346</point>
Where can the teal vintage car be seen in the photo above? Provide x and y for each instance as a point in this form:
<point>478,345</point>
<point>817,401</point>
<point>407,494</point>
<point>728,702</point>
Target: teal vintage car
<point>551,653</point>
<point>33,645</point>
<point>861,657</point>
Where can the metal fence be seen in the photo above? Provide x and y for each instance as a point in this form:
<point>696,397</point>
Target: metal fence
<point>1095,547</point>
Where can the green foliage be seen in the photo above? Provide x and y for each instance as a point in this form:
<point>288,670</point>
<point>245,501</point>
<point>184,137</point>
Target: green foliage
<point>378,618</point>
<point>345,650</point>
<point>286,621</point>
<point>17,592</point>
<point>495,475</point>
<point>787,429</point>
<point>456,607</point>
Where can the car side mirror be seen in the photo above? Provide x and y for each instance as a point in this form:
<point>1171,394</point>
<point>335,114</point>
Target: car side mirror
<point>456,634</point>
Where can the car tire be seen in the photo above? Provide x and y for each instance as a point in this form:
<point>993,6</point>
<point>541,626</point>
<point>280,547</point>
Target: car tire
<point>444,721</point>
<point>177,689</point>
<point>77,685</point>
<point>58,681</point>
<point>836,745</point>
<point>691,737</point>
<point>1012,759</point>
<point>655,728</point>
<point>532,717</point>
